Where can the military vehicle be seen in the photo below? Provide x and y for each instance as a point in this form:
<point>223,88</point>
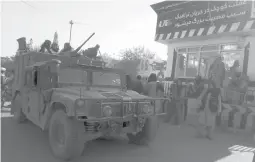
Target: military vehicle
<point>77,99</point>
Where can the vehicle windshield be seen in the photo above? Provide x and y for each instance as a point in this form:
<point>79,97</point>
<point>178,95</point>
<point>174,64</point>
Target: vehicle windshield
<point>69,75</point>
<point>101,78</point>
<point>106,78</point>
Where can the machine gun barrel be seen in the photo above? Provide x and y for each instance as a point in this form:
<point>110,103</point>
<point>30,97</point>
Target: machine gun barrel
<point>79,48</point>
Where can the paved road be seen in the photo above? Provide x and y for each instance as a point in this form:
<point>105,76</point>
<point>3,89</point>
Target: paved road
<point>27,143</point>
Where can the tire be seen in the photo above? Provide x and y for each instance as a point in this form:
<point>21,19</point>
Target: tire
<point>147,134</point>
<point>17,112</point>
<point>73,144</point>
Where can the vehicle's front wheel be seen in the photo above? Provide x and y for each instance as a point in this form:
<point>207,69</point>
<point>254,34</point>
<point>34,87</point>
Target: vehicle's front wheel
<point>65,136</point>
<point>147,134</point>
<point>16,110</point>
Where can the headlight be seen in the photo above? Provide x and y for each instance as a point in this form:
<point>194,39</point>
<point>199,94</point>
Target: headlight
<point>80,103</point>
<point>107,110</point>
<point>147,109</point>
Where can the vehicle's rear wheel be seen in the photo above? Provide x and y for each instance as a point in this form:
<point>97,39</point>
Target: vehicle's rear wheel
<point>147,134</point>
<point>17,112</point>
<point>65,136</point>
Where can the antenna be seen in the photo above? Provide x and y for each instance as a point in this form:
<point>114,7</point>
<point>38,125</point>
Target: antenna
<point>71,23</point>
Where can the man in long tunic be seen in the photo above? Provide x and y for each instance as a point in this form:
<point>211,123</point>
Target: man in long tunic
<point>211,97</point>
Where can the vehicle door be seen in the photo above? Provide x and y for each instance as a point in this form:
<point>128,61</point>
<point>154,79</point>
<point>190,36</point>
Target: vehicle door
<point>31,97</point>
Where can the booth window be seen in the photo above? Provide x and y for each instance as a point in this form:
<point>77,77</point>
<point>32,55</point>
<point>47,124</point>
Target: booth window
<point>231,53</point>
<point>193,49</point>
<point>187,65</point>
<point>192,61</point>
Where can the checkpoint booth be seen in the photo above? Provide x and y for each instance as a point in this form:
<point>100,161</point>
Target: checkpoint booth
<point>195,32</point>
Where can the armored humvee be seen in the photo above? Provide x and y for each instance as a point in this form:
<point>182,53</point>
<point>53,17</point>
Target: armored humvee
<point>77,99</point>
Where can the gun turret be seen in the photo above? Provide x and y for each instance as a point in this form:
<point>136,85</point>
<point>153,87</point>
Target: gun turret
<point>79,48</point>
<point>75,52</point>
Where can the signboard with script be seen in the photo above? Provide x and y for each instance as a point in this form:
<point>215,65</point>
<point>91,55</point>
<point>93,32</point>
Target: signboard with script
<point>180,19</point>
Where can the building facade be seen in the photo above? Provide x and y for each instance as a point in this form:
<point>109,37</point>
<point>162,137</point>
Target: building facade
<point>196,31</point>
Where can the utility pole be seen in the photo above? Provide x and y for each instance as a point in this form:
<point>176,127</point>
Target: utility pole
<point>71,23</point>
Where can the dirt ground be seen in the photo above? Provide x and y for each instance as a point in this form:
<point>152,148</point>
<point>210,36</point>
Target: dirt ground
<point>27,143</point>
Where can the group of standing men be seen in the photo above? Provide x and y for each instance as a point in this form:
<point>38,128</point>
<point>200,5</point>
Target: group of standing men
<point>208,93</point>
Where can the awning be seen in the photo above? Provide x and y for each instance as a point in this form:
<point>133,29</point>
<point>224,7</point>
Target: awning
<point>241,26</point>
<point>185,19</point>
